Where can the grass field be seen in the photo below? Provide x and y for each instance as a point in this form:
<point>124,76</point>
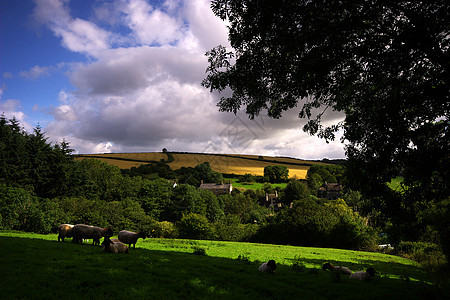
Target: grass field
<point>36,266</point>
<point>236,164</point>
<point>251,185</point>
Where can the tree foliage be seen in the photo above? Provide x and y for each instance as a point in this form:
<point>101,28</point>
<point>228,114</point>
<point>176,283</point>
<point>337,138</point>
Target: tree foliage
<point>278,173</point>
<point>384,64</point>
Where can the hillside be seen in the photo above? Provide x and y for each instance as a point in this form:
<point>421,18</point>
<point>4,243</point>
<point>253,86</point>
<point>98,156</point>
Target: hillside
<point>223,163</point>
<point>38,266</point>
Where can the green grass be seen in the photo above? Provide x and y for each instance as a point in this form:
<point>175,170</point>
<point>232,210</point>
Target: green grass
<point>252,185</point>
<point>36,266</point>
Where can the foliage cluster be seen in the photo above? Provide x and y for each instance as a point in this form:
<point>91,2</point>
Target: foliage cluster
<point>315,222</point>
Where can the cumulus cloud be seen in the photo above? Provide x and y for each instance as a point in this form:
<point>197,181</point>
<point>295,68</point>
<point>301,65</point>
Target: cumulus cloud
<point>142,91</point>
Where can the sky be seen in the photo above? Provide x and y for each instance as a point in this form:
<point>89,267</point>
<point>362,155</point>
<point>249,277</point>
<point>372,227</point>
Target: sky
<point>125,76</point>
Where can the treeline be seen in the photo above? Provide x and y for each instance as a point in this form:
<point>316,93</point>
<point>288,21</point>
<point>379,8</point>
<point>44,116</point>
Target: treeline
<point>42,186</point>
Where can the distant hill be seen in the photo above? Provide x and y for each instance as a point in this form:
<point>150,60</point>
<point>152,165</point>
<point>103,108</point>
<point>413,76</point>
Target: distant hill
<point>223,163</point>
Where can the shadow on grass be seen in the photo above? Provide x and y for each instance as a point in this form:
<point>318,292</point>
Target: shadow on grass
<point>44,269</point>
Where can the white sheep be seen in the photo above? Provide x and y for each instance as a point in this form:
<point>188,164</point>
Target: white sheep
<point>343,270</point>
<point>363,275</point>
<point>114,247</point>
<point>64,230</point>
<point>268,267</point>
<point>81,231</point>
<point>130,238</point>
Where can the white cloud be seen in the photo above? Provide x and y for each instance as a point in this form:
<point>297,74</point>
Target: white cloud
<point>76,34</point>
<point>146,95</point>
<point>151,25</point>
<point>11,108</point>
<point>35,72</point>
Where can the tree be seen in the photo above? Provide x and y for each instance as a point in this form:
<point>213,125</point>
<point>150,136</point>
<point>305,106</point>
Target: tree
<point>277,173</point>
<point>384,64</point>
<point>295,190</point>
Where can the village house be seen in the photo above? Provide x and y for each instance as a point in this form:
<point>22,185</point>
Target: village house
<point>331,191</point>
<point>272,201</point>
<point>217,188</point>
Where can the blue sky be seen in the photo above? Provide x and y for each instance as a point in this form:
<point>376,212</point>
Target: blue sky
<point>124,76</point>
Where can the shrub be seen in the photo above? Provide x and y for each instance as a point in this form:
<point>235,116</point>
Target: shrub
<point>164,229</point>
<point>243,258</point>
<point>21,210</point>
<point>298,264</point>
<point>318,223</point>
<point>230,228</point>
<point>199,250</point>
<point>429,255</point>
<point>194,226</point>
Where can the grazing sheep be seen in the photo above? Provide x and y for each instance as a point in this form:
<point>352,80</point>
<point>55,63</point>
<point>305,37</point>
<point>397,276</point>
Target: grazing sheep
<point>64,230</point>
<point>81,231</point>
<point>268,267</point>
<point>343,270</point>
<point>129,237</point>
<point>114,247</point>
<point>363,275</point>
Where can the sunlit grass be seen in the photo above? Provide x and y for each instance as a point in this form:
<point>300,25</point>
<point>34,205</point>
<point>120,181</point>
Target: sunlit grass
<point>36,266</point>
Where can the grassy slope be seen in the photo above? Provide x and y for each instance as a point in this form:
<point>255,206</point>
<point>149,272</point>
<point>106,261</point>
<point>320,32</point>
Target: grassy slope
<point>237,164</point>
<point>37,266</point>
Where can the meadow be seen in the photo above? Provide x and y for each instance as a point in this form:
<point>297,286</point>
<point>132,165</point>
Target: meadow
<point>251,185</point>
<point>38,267</point>
<point>222,163</point>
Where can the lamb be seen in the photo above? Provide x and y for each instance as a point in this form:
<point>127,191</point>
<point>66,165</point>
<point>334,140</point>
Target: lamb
<point>363,275</point>
<point>129,237</point>
<point>343,270</point>
<point>114,247</point>
<point>268,267</point>
<point>64,230</point>
<point>81,231</point>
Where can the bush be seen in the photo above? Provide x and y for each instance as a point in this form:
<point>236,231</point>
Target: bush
<point>194,226</point>
<point>429,255</point>
<point>164,229</point>
<point>199,250</point>
<point>231,229</point>
<point>22,210</point>
<point>318,223</point>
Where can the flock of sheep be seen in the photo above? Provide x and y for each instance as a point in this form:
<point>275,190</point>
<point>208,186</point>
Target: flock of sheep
<point>270,267</point>
<point>81,232</point>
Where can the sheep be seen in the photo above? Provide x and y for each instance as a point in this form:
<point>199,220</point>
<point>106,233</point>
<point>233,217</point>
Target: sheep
<point>129,237</point>
<point>64,230</point>
<point>343,270</point>
<point>81,231</point>
<point>363,275</point>
<point>268,267</point>
<point>114,247</point>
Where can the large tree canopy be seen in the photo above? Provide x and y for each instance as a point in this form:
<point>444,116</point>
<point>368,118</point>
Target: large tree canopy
<point>384,64</point>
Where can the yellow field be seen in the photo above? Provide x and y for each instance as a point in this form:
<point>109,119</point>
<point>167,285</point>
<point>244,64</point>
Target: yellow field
<point>223,164</point>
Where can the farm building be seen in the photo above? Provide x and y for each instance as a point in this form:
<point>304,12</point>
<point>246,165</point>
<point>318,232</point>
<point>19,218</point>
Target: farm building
<point>272,201</point>
<point>217,188</point>
<point>331,191</point>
